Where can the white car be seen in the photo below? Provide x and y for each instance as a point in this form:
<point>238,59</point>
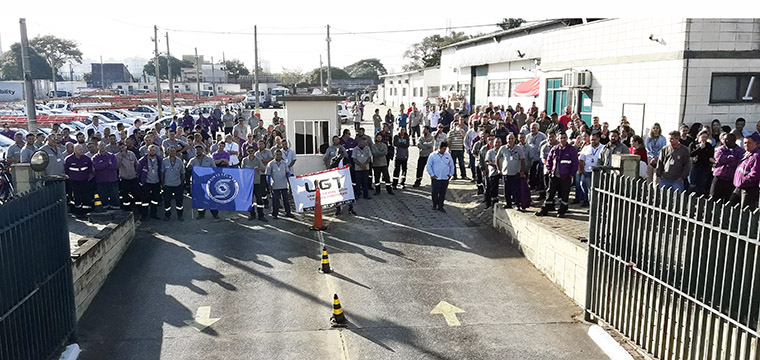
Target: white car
<point>143,111</point>
<point>344,113</point>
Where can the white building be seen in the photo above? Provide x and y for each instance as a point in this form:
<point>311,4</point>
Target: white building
<point>669,71</point>
<point>410,86</point>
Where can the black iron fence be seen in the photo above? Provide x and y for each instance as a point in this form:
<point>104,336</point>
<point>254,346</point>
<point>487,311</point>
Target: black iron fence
<point>37,313</point>
<point>675,273</point>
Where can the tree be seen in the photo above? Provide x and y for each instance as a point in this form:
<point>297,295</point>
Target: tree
<point>11,68</point>
<point>235,68</point>
<point>335,73</point>
<point>291,76</point>
<point>177,65</point>
<point>367,68</point>
<point>87,77</point>
<point>56,52</point>
<point>511,23</point>
<point>427,53</point>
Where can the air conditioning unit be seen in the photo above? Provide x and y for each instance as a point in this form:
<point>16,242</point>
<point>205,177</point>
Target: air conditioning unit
<point>574,79</point>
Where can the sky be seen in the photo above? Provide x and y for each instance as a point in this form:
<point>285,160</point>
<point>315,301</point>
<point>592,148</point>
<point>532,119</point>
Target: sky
<point>291,34</point>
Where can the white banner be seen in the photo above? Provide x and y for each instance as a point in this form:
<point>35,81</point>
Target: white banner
<point>334,186</point>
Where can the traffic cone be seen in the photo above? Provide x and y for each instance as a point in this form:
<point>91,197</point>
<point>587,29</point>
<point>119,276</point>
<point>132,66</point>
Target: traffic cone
<point>318,213</point>
<point>325,262</point>
<point>337,319</point>
<point>97,205</point>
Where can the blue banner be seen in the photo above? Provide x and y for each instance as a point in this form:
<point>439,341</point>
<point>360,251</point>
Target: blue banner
<point>221,188</point>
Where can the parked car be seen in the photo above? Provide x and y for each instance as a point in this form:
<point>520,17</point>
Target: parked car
<point>344,113</point>
<point>60,93</point>
<point>144,111</point>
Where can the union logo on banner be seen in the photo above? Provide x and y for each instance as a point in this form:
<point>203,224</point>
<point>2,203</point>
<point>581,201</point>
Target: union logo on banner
<point>222,188</point>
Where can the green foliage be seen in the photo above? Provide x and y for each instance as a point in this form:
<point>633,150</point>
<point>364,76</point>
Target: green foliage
<point>335,73</point>
<point>235,68</point>
<point>11,69</point>
<point>292,76</point>
<point>177,64</point>
<point>56,51</point>
<point>511,23</point>
<point>427,53</point>
<point>367,68</point>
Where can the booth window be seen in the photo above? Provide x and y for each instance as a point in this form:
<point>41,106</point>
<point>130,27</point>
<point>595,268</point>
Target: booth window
<point>310,135</point>
<point>498,87</point>
<point>433,91</point>
<point>735,88</point>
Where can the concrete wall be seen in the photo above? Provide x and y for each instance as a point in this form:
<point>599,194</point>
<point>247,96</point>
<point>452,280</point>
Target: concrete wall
<point>95,259</point>
<point>561,258</point>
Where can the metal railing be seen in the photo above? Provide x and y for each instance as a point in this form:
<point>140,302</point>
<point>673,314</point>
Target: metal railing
<point>37,313</point>
<point>677,274</point>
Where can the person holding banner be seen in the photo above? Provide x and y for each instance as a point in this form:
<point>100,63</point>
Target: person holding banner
<point>265,155</point>
<point>336,156</point>
<point>440,166</point>
<point>202,160</point>
<point>254,162</point>
<point>278,172</point>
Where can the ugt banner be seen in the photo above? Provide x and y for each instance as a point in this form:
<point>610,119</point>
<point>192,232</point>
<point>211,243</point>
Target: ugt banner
<point>334,188</point>
<point>220,188</point>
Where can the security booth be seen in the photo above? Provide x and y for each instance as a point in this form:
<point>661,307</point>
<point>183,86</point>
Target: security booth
<point>310,123</point>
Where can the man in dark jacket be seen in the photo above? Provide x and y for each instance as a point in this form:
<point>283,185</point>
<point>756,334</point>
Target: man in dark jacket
<point>747,176</point>
<point>149,170</point>
<point>561,165</point>
<point>78,167</point>
<point>401,143</point>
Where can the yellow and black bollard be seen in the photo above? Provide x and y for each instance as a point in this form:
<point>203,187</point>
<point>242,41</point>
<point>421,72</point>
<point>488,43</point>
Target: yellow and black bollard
<point>325,262</point>
<point>337,319</point>
<point>97,205</point>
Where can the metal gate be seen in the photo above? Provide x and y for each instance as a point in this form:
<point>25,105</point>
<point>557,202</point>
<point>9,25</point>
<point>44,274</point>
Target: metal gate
<point>37,313</point>
<point>676,274</point>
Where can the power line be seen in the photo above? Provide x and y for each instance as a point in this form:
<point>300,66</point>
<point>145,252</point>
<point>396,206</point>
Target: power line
<point>344,32</point>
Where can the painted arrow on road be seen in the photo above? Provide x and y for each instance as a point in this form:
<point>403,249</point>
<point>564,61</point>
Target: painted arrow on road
<point>202,319</point>
<point>449,312</point>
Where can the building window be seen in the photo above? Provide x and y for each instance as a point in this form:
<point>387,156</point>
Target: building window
<point>556,97</point>
<point>414,92</point>
<point>735,88</point>
<point>498,88</point>
<point>310,135</point>
<point>434,91</point>
<point>403,92</point>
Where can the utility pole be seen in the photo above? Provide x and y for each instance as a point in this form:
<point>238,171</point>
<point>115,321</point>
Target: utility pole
<point>321,83</point>
<point>256,109</point>
<point>169,67</point>
<point>158,74</point>
<point>102,77</point>
<point>31,111</point>
<point>197,76</point>
<point>329,65</point>
<point>224,67</point>
<point>71,72</point>
<point>213,76</point>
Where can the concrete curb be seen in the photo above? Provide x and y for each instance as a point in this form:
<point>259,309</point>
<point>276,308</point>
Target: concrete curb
<point>71,353</point>
<point>607,344</point>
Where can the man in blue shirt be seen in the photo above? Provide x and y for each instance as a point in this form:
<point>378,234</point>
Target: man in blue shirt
<point>440,166</point>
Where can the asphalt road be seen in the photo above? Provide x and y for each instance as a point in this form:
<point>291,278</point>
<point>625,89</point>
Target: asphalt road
<point>394,263</point>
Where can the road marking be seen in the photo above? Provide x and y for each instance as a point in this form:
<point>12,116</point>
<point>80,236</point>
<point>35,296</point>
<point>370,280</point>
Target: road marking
<point>331,290</point>
<point>607,344</point>
<point>448,311</point>
<point>412,228</point>
<point>202,319</point>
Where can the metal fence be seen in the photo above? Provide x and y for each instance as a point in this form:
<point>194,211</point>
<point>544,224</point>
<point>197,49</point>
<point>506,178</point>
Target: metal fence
<point>37,313</point>
<point>675,273</point>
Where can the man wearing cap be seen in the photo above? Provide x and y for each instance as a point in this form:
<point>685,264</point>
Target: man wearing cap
<point>13,154</point>
<point>747,176</point>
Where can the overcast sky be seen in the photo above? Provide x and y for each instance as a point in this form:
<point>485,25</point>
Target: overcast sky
<point>123,29</point>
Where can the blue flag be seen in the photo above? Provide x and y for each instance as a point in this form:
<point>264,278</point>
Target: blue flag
<point>221,188</point>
